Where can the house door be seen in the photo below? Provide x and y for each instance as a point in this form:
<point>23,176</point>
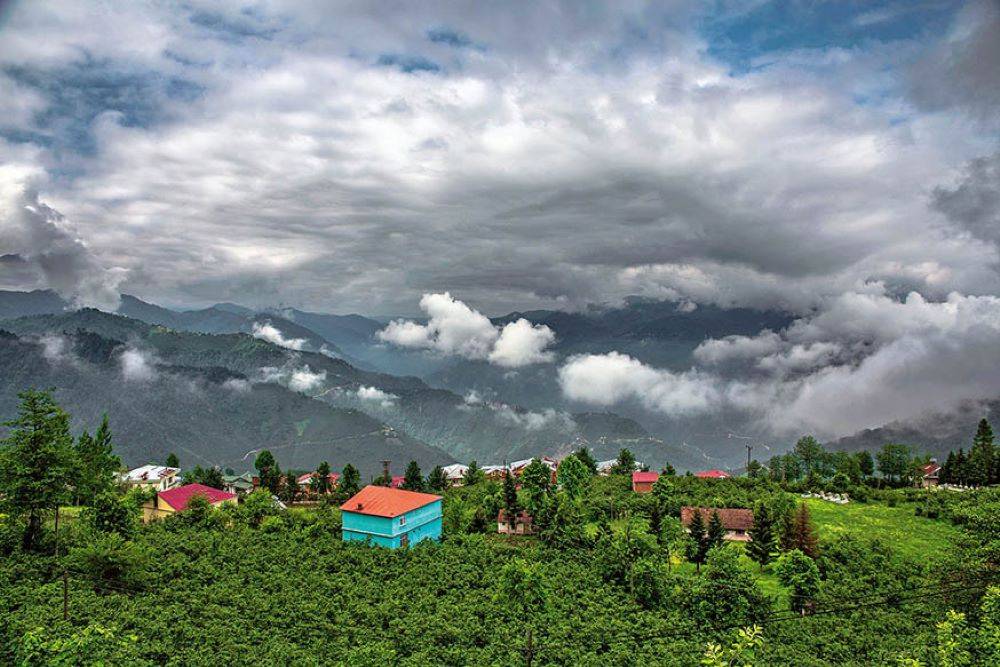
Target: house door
<point>404,541</point>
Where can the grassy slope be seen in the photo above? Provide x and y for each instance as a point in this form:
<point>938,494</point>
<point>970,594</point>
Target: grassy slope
<point>914,537</point>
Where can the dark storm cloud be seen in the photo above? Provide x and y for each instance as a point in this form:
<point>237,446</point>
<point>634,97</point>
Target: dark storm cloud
<point>960,71</point>
<point>974,204</point>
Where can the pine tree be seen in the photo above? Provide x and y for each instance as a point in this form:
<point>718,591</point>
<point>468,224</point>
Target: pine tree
<point>98,464</point>
<point>625,465</point>
<point>320,481</point>
<point>981,457</point>
<point>656,522</point>
<point>437,480</point>
<point>947,473</point>
<point>474,474</point>
<point>413,479</point>
<point>959,474</point>
<point>699,539</point>
<point>268,471</point>
<point>350,481</point>
<point>172,461</point>
<point>716,532</point>
<point>587,459</point>
<point>786,540</point>
<point>510,505</point>
<point>761,545</point>
<point>290,490</point>
<point>37,462</point>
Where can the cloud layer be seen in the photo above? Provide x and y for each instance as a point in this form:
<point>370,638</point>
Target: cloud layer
<point>552,154</point>
<point>864,361</point>
<point>454,328</point>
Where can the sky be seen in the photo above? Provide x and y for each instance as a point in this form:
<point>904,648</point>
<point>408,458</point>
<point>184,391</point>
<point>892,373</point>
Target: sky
<point>834,159</point>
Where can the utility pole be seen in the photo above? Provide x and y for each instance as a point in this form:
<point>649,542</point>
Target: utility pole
<point>385,472</point>
<point>65,595</point>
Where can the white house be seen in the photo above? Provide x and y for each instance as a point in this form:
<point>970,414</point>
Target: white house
<point>157,478</point>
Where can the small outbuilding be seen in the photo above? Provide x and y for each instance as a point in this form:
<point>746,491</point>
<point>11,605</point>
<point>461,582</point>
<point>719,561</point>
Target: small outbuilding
<point>523,523</point>
<point>391,517</point>
<point>737,522</point>
<point>643,481</point>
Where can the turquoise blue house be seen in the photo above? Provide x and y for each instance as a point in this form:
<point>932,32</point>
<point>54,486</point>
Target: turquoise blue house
<point>391,517</point>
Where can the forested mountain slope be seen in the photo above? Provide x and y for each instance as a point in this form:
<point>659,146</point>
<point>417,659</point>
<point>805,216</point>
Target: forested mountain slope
<point>206,414</point>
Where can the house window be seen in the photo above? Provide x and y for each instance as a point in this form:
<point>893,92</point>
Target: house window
<point>402,521</point>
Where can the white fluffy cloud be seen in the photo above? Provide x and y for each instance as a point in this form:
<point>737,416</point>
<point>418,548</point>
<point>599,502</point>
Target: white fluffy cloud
<point>137,365</point>
<point>454,328</point>
<point>607,379</point>
<point>297,378</point>
<point>272,334</point>
<point>376,395</point>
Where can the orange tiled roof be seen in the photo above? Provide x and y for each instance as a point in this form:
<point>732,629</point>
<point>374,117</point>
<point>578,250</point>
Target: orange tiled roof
<point>387,502</point>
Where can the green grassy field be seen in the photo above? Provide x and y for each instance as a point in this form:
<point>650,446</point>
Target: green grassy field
<point>912,536</point>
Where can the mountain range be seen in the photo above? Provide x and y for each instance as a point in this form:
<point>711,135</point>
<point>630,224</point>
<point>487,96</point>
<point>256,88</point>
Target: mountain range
<point>435,408</point>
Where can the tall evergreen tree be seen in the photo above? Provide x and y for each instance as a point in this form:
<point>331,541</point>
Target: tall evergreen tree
<point>699,539</point>
<point>172,461</point>
<point>786,538</point>
<point>413,479</point>
<point>37,462</point>
<point>98,464</point>
<point>437,480</point>
<point>320,481</point>
<point>290,489</point>
<point>510,504</point>
<point>762,538</point>
<point>536,481</point>
<point>587,459</point>
<point>656,522</point>
<point>350,481</point>
<point>474,475</point>
<point>960,473</point>
<point>866,463</point>
<point>981,456</point>
<point>625,465</point>
<point>268,471</point>
<point>947,473</point>
<point>716,532</point>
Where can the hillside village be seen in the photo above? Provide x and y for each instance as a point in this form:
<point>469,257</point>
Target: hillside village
<point>734,551</point>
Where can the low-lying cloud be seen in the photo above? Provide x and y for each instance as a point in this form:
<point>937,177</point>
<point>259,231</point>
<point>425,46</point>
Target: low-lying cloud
<point>272,334</point>
<point>137,365</point>
<point>376,395</point>
<point>863,361</point>
<point>453,328</point>
<point>297,378</point>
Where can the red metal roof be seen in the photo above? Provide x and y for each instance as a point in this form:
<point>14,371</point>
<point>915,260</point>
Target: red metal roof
<point>712,474</point>
<point>180,497</point>
<point>641,477</point>
<point>931,470</point>
<point>732,519</point>
<point>397,481</point>
<point>387,502</point>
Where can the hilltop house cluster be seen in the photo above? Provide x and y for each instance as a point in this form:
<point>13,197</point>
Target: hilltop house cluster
<point>391,516</point>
